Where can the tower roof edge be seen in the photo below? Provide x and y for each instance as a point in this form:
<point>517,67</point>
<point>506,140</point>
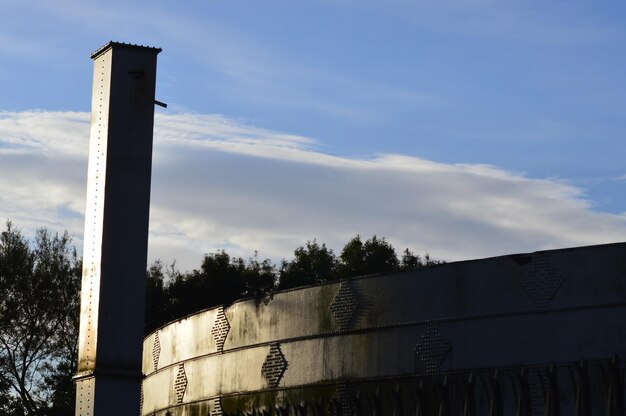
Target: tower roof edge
<point>122,45</point>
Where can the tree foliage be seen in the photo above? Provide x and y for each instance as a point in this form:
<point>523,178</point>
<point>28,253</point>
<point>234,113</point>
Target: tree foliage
<point>312,263</point>
<point>38,321</point>
<point>375,255</point>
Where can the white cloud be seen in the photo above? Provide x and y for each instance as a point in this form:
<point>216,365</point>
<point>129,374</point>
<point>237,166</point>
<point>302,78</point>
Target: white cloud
<point>220,183</point>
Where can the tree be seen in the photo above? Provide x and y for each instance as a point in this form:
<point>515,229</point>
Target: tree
<point>9,405</point>
<point>376,255</point>
<point>410,261</point>
<point>157,302</point>
<point>259,277</point>
<point>352,258</point>
<point>380,256</point>
<point>38,320</point>
<point>219,280</point>
<point>312,263</point>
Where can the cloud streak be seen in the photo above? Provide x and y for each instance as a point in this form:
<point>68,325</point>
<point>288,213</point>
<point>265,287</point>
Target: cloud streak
<point>528,21</point>
<point>221,183</point>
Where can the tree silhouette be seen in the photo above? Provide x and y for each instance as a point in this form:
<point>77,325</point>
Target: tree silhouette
<point>259,277</point>
<point>312,263</point>
<point>376,255</point>
<point>39,313</point>
<point>157,309</point>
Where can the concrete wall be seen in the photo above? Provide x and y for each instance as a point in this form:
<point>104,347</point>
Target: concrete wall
<point>515,311</point>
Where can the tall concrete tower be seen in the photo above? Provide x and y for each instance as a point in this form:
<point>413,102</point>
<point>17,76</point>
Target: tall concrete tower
<point>108,380</point>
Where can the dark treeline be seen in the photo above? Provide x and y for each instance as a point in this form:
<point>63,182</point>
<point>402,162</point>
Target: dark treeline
<point>40,302</point>
<point>222,279</point>
<point>39,309</point>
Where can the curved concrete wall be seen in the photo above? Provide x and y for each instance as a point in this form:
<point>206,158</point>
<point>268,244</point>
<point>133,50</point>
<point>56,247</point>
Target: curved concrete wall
<point>556,306</point>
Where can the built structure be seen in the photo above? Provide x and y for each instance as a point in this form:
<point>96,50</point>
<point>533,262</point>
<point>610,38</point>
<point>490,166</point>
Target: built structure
<point>526,334</point>
<point>116,230</point>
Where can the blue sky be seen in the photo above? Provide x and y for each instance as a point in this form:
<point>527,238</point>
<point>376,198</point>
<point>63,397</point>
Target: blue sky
<point>494,121</point>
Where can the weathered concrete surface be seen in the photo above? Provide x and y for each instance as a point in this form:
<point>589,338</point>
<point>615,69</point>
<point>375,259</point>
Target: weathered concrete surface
<point>510,312</point>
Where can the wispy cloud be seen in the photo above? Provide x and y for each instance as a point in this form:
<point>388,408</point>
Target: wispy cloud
<point>23,47</point>
<point>532,21</point>
<point>234,58</point>
<point>221,183</point>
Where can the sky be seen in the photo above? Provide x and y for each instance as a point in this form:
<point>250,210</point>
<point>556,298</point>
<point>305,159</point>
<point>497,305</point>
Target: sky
<point>461,128</point>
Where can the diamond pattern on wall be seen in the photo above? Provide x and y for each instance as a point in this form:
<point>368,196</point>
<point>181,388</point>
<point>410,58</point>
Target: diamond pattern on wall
<point>220,329</point>
<point>536,382</point>
<point>180,384</point>
<point>340,404</point>
<point>432,349</point>
<point>274,366</point>
<point>216,408</point>
<point>344,306</point>
<point>156,351</point>
<point>141,400</point>
<point>542,281</point>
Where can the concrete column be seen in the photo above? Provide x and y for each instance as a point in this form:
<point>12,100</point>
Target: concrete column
<point>108,380</point>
